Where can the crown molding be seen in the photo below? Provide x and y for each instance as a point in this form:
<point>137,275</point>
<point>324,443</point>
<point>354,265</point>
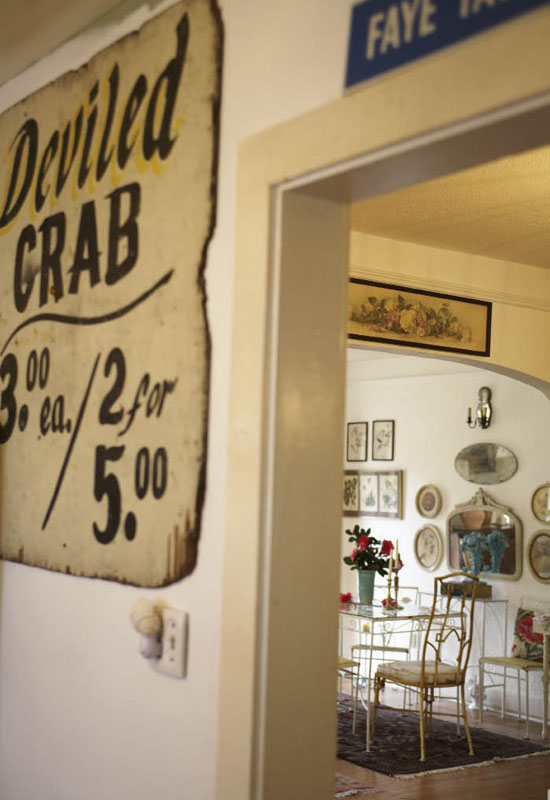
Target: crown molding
<point>448,287</point>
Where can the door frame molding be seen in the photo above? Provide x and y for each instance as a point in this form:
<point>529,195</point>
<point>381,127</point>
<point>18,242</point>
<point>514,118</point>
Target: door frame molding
<point>323,151</point>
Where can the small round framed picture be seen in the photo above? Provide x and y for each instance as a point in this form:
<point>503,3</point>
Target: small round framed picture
<point>538,555</point>
<point>540,502</point>
<point>428,501</point>
<point>428,547</point>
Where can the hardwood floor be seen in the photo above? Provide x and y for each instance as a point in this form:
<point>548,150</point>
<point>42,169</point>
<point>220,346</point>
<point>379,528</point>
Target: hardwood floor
<point>520,779</point>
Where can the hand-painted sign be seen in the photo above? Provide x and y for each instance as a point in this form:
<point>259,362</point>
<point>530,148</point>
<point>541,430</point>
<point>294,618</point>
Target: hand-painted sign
<point>387,34</point>
<point>106,210</point>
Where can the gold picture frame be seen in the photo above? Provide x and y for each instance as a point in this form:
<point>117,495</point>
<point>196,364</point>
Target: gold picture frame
<point>540,502</point>
<point>429,547</point>
<point>428,501</point>
<point>538,555</point>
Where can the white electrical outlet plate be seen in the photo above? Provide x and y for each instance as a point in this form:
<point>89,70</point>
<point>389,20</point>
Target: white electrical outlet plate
<point>173,660</point>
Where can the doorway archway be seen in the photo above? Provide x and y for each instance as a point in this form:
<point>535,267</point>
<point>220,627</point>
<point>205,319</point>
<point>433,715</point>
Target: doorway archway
<point>276,733</point>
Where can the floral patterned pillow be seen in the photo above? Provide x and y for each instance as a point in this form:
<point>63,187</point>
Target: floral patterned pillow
<point>526,643</point>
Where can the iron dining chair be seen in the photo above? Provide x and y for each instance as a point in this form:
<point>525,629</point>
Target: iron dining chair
<point>431,672</point>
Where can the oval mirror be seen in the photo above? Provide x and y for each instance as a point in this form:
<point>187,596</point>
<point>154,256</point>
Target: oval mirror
<point>486,463</point>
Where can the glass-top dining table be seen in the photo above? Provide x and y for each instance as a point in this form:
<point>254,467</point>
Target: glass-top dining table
<point>372,620</point>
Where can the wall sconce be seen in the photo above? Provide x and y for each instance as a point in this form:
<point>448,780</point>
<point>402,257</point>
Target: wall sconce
<point>483,410</point>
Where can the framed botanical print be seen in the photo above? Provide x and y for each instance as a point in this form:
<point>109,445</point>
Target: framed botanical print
<point>428,547</point>
<point>372,493</point>
<point>357,440</point>
<point>351,493</point>
<point>368,493</point>
<point>382,439</point>
<point>538,555</point>
<point>389,494</point>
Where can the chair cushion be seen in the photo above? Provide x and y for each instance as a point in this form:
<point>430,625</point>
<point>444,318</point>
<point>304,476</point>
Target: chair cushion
<point>410,671</point>
<point>347,663</point>
<point>527,645</point>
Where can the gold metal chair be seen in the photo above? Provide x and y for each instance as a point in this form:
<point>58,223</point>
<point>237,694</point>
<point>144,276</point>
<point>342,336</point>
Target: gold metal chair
<point>393,641</point>
<point>431,672</point>
<point>523,664</point>
<point>348,668</point>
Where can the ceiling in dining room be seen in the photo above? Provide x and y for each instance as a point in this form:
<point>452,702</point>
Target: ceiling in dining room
<point>499,210</point>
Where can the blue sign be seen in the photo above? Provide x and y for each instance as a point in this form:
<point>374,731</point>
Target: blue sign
<point>386,34</point>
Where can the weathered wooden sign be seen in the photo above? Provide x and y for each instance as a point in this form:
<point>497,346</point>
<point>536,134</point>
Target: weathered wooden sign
<point>106,209</point>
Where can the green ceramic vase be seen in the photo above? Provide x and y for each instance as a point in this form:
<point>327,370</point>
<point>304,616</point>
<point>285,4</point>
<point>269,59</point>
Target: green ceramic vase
<point>365,585</point>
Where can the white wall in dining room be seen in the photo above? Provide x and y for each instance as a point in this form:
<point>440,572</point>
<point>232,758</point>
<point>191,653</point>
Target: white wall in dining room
<point>428,399</point>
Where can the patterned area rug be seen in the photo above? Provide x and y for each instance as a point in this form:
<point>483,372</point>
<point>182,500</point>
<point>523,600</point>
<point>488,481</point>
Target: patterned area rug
<point>396,748</point>
<point>348,787</point>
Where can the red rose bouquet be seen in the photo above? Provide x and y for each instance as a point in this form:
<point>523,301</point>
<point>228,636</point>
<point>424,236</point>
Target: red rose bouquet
<point>369,553</point>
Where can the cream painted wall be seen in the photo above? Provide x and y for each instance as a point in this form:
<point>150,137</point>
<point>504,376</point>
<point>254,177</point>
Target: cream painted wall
<point>82,716</point>
<point>430,429</point>
<point>520,293</point>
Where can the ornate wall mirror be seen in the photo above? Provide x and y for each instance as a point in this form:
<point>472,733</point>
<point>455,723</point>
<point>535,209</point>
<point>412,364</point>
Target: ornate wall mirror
<point>486,463</point>
<point>485,538</point>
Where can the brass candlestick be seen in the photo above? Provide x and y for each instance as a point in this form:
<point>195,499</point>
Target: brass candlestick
<point>396,584</point>
<point>389,598</point>
<point>391,602</point>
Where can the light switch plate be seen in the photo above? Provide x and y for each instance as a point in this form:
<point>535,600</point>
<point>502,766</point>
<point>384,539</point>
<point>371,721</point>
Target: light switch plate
<point>173,660</point>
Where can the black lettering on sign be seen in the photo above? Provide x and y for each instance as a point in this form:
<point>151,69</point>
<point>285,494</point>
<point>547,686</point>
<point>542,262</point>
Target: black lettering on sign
<point>104,159</point>
<point>52,417</point>
<point>141,392</point>
<point>158,472</point>
<point>45,163</point>
<point>44,421</point>
<point>27,239</point>
<point>123,232</point>
<point>8,369</point>
<point>59,425</point>
<point>38,369</point>
<point>64,168</point>
<point>32,370</point>
<point>141,476</point>
<point>86,256</point>
<point>44,368</point>
<point>23,417</point>
<point>135,99</point>
<point>79,148</point>
<point>51,256</point>
<point>90,128</point>
<point>26,150</point>
<point>106,484</point>
<point>115,360</point>
<point>160,140</point>
<point>153,404</point>
<point>122,249</point>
